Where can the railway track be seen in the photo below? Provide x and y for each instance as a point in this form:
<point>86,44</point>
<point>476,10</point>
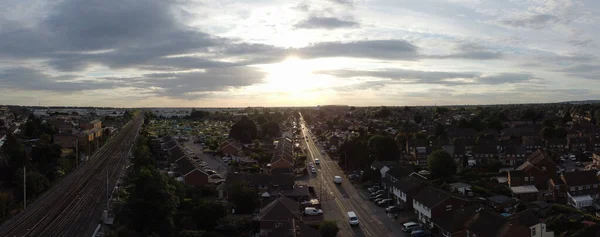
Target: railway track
<point>74,205</point>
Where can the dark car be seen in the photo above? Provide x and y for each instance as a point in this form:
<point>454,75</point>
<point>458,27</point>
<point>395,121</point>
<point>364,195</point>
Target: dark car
<point>394,209</point>
<point>373,189</point>
<point>311,190</point>
<point>420,233</point>
<point>353,176</point>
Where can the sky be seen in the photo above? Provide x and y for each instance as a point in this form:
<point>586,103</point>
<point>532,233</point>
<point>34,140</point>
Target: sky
<point>225,53</point>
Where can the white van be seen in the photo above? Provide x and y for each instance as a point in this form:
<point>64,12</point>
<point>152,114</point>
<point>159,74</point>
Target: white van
<point>317,161</point>
<point>410,226</point>
<point>337,179</point>
<point>352,219</point>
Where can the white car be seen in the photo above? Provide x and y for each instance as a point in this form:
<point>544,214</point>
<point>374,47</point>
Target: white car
<point>337,179</point>
<point>317,161</point>
<point>311,211</point>
<point>313,170</point>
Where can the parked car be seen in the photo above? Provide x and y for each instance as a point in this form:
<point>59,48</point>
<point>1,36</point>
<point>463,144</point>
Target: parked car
<point>420,233</point>
<point>384,202</point>
<point>378,192</point>
<point>311,211</point>
<point>353,176</point>
<point>374,188</point>
<point>410,226</point>
<point>210,172</point>
<point>377,200</point>
<point>216,176</point>
<point>377,196</point>
<point>394,209</point>
<point>311,190</point>
<point>313,170</point>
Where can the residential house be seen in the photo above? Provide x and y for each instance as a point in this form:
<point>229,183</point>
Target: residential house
<point>231,147</point>
<point>459,153</point>
<point>528,219</point>
<point>501,203</point>
<point>191,174</point>
<point>513,155</point>
<point>485,152</point>
<point>394,174</point>
<point>280,211</point>
<point>462,188</point>
<point>533,144</point>
<point>65,140</point>
<point>267,185</point>
<point>595,144</point>
<point>452,224</point>
<point>531,176</point>
<point>295,228</point>
<point>383,166</point>
<point>578,144</point>
<point>556,144</point>
<point>468,144</point>
<point>464,133</point>
<point>406,188</point>
<point>485,223</point>
<point>580,187</point>
<point>282,161</point>
<point>431,203</point>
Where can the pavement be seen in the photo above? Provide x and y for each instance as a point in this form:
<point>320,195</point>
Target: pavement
<point>338,199</point>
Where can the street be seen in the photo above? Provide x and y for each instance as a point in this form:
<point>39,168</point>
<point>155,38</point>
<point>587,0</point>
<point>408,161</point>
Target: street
<point>343,198</point>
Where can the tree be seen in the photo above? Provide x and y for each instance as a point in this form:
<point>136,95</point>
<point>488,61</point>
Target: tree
<point>271,129</point>
<point>152,203</point>
<point>383,112</point>
<point>440,130</point>
<point>560,132</point>
<point>244,198</point>
<point>418,118</point>
<point>244,130</point>
<point>4,207</point>
<point>328,228</point>
<point>567,118</point>
<point>548,123</point>
<point>548,132</point>
<point>441,165</point>
<point>384,147</point>
<point>354,154</point>
<point>36,183</point>
<point>14,151</point>
<point>261,119</point>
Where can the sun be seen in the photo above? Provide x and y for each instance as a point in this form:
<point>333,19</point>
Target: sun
<point>291,75</point>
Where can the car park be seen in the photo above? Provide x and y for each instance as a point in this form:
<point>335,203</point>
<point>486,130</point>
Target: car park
<point>311,211</point>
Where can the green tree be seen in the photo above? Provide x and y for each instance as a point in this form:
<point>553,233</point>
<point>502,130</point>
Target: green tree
<point>271,129</point>
<point>548,132</point>
<point>441,165</point>
<point>567,118</point>
<point>418,118</point>
<point>244,198</point>
<point>440,130</point>
<point>560,132</point>
<point>384,148</point>
<point>152,203</point>
<point>328,228</point>
<point>244,130</point>
<point>548,123</point>
<point>354,154</point>
<point>36,183</point>
<point>4,207</point>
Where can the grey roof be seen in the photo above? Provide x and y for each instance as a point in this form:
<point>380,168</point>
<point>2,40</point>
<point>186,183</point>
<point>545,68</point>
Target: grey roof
<point>302,230</point>
<point>455,220</point>
<point>486,223</point>
<point>408,184</point>
<point>281,209</point>
<point>399,172</point>
<point>500,199</point>
<point>185,166</point>
<point>431,197</point>
<point>281,180</point>
<point>527,218</point>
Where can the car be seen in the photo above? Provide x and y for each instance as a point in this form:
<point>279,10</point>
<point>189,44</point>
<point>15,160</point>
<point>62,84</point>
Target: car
<point>353,176</point>
<point>384,202</point>
<point>377,200</point>
<point>352,218</point>
<point>374,188</point>
<point>378,192</point>
<point>311,211</point>
<point>216,176</point>
<point>394,209</point>
<point>377,196</point>
<point>410,226</point>
<point>313,170</point>
<point>210,172</point>
<point>317,161</point>
<point>311,190</point>
<point>420,233</point>
<point>337,179</point>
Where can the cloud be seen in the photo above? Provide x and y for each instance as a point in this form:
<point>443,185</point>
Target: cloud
<point>527,20</point>
<point>343,2</point>
<point>436,77</point>
<point>585,71</point>
<point>329,23</point>
<point>190,84</point>
<point>23,78</point>
<point>375,49</point>
<point>469,51</point>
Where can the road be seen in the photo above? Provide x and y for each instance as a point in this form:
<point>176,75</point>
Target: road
<point>343,198</point>
<point>74,205</point>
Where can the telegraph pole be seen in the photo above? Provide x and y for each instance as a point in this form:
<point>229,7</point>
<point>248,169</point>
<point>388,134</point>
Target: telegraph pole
<point>77,151</point>
<point>24,187</point>
<point>107,196</point>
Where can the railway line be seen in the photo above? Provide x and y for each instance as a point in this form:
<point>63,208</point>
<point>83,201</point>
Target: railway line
<point>74,205</point>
